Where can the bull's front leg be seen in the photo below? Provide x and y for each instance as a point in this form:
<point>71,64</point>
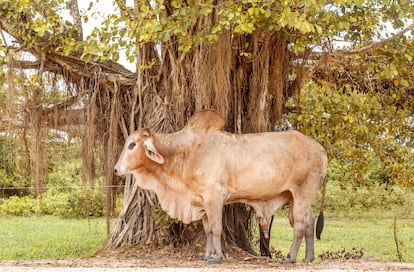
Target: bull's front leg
<point>209,238</point>
<point>213,227</point>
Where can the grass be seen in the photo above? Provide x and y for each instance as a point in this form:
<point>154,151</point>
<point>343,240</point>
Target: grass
<point>28,238</point>
<point>374,236</point>
<point>24,238</point>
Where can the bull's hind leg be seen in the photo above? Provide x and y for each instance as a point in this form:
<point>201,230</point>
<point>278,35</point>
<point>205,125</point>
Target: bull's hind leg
<point>302,223</point>
<point>298,231</point>
<point>309,236</point>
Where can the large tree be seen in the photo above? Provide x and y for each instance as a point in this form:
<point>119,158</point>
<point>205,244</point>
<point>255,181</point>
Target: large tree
<point>242,58</point>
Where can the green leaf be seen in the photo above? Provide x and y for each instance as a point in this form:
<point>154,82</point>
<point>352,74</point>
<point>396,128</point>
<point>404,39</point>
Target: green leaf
<point>405,83</point>
<point>67,50</point>
<point>165,36</point>
<point>268,13</point>
<point>40,27</point>
<point>115,56</point>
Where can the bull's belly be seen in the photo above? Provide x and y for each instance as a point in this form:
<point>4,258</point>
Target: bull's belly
<point>264,204</point>
<point>255,191</point>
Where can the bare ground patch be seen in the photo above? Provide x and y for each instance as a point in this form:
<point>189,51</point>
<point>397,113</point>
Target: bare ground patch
<point>174,259</point>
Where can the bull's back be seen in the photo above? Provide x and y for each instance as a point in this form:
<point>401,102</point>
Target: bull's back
<point>265,164</point>
<point>281,149</point>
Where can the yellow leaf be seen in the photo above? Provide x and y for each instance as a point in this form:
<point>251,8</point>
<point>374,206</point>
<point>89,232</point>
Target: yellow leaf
<point>396,83</point>
<point>133,24</point>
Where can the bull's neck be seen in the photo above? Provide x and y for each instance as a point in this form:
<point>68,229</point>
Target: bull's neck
<point>173,147</point>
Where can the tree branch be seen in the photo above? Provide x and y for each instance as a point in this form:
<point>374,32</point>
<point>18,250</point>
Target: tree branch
<point>69,117</point>
<point>121,4</point>
<point>321,59</point>
<point>70,121</point>
<point>74,12</point>
<point>374,45</point>
<point>24,64</point>
<point>3,37</point>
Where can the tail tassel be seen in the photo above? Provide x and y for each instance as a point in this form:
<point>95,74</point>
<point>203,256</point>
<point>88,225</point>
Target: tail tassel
<point>319,225</point>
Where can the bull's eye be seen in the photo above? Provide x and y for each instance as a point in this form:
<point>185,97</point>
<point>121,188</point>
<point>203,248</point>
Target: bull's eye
<point>131,146</point>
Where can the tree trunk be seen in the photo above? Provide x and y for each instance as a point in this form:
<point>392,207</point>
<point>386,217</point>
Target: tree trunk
<point>248,91</point>
<point>135,224</point>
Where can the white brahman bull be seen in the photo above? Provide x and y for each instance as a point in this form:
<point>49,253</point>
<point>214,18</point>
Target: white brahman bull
<point>201,168</point>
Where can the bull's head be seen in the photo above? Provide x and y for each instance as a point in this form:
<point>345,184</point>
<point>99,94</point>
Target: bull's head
<point>138,148</point>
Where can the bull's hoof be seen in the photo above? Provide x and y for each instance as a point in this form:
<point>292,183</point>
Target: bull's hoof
<point>212,260</point>
<point>309,260</point>
<point>288,261</point>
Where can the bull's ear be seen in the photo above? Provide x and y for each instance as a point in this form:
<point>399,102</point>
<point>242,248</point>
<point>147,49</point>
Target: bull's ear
<point>146,132</point>
<point>152,152</point>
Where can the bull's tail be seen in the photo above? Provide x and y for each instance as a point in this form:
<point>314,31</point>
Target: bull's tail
<point>320,221</point>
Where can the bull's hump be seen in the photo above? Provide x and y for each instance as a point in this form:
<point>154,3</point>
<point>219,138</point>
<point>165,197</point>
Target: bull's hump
<point>205,120</point>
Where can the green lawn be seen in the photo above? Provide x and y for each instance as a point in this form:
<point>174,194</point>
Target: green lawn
<point>374,236</point>
<point>49,237</point>
<point>54,238</point>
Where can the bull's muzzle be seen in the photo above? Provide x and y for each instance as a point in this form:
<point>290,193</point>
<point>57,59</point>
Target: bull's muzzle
<point>120,171</point>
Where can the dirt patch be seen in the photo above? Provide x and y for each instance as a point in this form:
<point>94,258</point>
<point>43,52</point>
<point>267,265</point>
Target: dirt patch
<point>172,259</point>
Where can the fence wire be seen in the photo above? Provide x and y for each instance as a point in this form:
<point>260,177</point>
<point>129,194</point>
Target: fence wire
<point>62,187</point>
<point>123,186</point>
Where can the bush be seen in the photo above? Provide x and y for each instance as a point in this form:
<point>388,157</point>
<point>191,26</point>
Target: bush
<point>92,204</point>
<point>385,201</point>
<point>19,206</point>
<point>63,198</point>
<point>58,203</point>
<point>62,204</point>
<point>73,203</point>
